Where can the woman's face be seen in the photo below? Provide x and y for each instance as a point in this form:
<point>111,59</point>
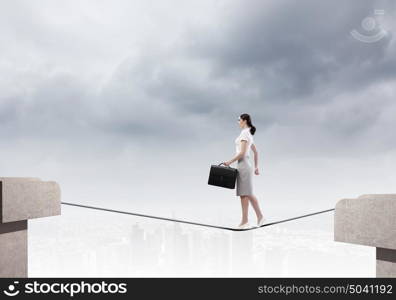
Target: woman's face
<point>241,122</point>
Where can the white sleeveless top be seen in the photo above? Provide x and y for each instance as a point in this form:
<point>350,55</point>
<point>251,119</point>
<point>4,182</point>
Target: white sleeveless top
<point>247,136</point>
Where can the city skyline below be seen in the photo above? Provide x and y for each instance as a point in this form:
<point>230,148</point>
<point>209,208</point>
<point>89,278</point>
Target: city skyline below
<point>103,244</point>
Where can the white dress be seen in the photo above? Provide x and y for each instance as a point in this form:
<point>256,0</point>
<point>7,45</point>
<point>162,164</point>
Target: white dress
<point>244,182</point>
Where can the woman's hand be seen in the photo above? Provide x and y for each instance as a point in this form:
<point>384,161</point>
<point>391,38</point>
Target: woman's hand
<point>227,163</point>
<point>256,171</point>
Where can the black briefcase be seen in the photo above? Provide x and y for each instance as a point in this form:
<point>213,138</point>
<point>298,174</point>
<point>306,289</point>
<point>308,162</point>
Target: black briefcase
<point>223,176</point>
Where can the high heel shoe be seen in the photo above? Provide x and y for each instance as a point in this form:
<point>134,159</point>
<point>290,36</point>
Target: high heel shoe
<point>261,222</point>
<point>244,226</point>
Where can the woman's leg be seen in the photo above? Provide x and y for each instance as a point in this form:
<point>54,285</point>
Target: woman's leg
<point>256,206</point>
<point>245,208</point>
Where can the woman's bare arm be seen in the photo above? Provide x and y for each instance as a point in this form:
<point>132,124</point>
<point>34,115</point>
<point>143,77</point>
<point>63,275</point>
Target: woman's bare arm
<point>255,152</point>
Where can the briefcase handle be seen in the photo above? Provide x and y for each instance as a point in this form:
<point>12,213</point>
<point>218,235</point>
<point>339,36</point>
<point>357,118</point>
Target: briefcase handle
<point>223,164</point>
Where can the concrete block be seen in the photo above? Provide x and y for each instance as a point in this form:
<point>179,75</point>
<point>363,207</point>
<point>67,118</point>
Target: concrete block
<point>28,198</point>
<point>21,199</point>
<point>369,220</point>
<point>13,249</point>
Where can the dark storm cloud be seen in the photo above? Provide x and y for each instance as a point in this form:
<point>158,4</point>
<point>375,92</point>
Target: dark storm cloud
<point>293,49</point>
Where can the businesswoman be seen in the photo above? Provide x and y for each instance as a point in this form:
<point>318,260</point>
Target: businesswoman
<point>244,184</point>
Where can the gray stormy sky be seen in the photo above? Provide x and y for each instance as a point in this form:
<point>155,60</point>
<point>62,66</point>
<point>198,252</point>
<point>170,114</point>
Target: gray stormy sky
<point>128,103</point>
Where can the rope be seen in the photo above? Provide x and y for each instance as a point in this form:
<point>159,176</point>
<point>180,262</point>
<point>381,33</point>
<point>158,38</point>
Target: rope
<point>192,223</point>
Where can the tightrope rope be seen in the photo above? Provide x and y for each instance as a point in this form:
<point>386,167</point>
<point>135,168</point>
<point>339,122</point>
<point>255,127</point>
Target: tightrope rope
<point>193,223</point>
